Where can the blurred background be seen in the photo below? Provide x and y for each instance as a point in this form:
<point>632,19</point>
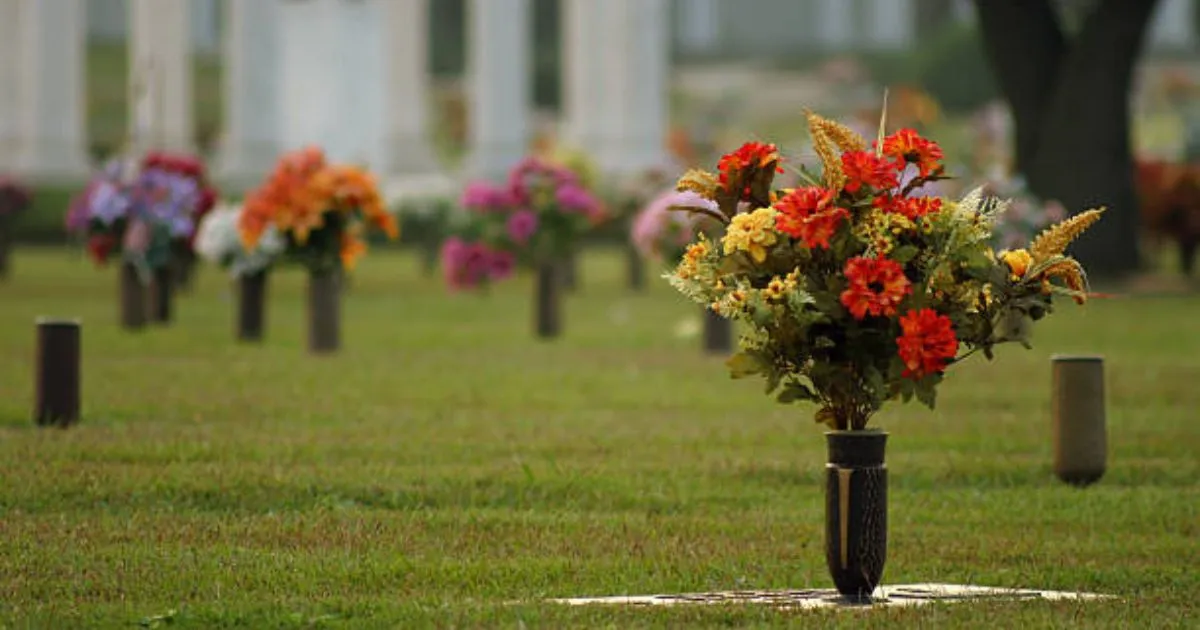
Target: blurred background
<point>263,76</point>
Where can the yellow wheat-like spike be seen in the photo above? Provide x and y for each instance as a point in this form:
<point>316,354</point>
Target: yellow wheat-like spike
<point>1071,272</point>
<point>831,159</point>
<point>1054,239</point>
<point>698,181</point>
<point>844,137</point>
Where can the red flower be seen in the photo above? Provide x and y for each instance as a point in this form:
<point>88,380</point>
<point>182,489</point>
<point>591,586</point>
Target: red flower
<point>911,207</point>
<point>752,155</point>
<point>906,146</point>
<point>809,215</point>
<point>877,285</point>
<point>100,246</point>
<point>863,168</point>
<point>926,344</point>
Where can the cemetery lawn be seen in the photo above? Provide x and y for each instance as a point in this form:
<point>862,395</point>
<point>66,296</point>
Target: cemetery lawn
<point>446,469</point>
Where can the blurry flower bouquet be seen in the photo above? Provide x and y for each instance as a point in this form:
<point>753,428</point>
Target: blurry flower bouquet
<point>320,210</point>
<point>141,209</point>
<point>1025,216</point>
<point>661,234</point>
<point>855,291</point>
<point>219,242</point>
<point>533,218</point>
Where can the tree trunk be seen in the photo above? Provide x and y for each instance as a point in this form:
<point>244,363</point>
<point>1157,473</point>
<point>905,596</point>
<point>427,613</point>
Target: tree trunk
<point>1071,105</point>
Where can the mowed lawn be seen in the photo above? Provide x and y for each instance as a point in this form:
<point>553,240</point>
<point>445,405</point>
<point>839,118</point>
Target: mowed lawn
<point>447,469</point>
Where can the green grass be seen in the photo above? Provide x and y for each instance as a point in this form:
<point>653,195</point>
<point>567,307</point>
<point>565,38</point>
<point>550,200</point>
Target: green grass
<point>446,469</point>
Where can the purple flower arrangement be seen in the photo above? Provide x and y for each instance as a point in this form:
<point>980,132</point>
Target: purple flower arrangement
<point>139,212</point>
<point>534,216</point>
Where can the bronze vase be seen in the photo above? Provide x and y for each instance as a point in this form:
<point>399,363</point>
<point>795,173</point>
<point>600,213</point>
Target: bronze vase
<point>5,243</point>
<point>133,297</point>
<point>324,311</point>
<point>856,511</point>
<point>636,268</point>
<point>718,333</point>
<point>162,293</point>
<point>251,305</point>
<point>547,294</point>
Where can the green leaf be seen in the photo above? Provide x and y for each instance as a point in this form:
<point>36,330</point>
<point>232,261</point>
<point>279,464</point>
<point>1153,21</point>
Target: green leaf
<point>926,391</point>
<point>745,364</point>
<point>773,380</point>
<point>795,391</point>
<point>904,253</point>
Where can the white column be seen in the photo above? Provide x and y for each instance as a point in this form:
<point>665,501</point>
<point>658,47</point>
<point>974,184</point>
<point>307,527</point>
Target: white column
<point>408,151</point>
<point>10,11</point>
<point>160,70</point>
<point>648,38</point>
<point>583,54</point>
<point>333,82</point>
<point>630,82</point>
<point>250,142</point>
<point>891,24</point>
<point>835,23</point>
<point>50,73</point>
<point>498,43</point>
<point>1173,24</point>
<point>700,25</point>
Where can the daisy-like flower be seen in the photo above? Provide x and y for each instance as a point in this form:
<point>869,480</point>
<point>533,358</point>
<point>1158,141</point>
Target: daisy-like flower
<point>809,214</point>
<point>752,233</point>
<point>907,146</point>
<point>877,285</point>
<point>926,344</point>
<point>865,169</point>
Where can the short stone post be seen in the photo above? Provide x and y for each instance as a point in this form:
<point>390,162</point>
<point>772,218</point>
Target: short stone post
<point>57,378</point>
<point>1080,433</point>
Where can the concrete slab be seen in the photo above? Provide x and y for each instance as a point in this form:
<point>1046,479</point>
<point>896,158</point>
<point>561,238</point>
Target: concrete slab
<point>900,595</point>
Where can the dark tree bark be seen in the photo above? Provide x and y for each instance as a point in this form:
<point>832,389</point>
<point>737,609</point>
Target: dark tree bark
<point>1070,100</point>
<point>932,16</point>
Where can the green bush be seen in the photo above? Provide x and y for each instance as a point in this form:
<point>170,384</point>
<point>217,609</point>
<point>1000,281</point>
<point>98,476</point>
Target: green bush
<point>44,221</point>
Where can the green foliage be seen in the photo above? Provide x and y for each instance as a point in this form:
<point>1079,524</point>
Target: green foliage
<point>952,67</point>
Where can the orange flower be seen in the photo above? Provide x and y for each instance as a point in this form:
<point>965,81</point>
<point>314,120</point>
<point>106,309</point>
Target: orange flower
<point>863,168</point>
<point>906,146</point>
<point>809,214</point>
<point>749,156</point>
<point>877,285</point>
<point>926,344</point>
<point>911,207</point>
<point>351,250</point>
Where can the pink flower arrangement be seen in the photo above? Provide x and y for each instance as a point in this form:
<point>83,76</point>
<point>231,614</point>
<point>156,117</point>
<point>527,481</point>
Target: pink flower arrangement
<point>662,234</point>
<point>534,216</point>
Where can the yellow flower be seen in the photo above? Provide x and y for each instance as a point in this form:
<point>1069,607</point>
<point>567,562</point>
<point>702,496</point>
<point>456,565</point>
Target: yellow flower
<point>692,256</point>
<point>777,289</point>
<point>1018,261</point>
<point>752,233</point>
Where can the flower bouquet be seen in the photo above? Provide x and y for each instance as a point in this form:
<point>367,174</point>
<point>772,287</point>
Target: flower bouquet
<point>321,211</point>
<point>183,247</point>
<point>631,196</point>
<point>14,199</point>
<point>534,218</point>
<point>857,293</point>
<point>138,211</point>
<point>219,242</point>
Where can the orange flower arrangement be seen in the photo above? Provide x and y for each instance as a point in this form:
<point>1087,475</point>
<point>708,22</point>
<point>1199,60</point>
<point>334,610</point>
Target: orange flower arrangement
<point>321,209</point>
<point>856,290</point>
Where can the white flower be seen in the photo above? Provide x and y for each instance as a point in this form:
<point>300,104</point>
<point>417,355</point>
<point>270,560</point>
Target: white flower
<point>219,242</point>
